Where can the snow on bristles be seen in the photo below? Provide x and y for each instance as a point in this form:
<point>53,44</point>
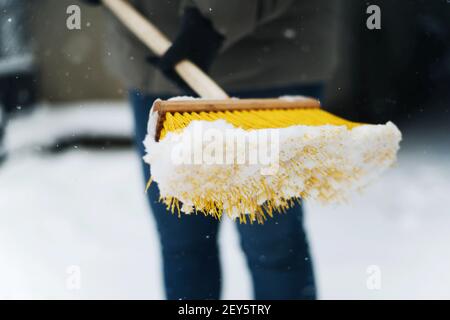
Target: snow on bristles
<point>326,163</point>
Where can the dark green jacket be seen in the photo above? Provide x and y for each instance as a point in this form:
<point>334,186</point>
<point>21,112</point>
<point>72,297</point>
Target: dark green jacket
<point>268,42</point>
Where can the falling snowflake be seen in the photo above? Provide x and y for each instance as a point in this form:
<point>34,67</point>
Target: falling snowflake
<point>289,33</point>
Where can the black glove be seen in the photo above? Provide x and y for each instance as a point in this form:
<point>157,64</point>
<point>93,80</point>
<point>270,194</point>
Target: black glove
<point>196,41</point>
<point>92,2</point>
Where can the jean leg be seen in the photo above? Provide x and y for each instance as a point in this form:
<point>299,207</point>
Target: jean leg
<point>190,253</point>
<point>278,257</point>
<point>277,252</point>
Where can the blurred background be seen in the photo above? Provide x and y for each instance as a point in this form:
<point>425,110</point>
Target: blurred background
<point>71,195</point>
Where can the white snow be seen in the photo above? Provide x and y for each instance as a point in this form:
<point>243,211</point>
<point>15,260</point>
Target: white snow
<point>356,157</point>
<point>88,210</point>
<point>47,123</point>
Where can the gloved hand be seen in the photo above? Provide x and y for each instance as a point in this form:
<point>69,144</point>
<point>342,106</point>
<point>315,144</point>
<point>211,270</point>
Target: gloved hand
<point>196,41</point>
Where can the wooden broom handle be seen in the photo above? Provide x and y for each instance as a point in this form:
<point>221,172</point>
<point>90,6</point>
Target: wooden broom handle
<point>145,31</point>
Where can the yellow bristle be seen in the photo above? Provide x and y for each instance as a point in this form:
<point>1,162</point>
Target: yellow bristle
<point>257,119</point>
<point>242,198</point>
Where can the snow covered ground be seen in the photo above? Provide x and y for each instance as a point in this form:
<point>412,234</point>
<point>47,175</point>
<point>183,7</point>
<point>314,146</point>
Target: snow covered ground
<point>76,225</point>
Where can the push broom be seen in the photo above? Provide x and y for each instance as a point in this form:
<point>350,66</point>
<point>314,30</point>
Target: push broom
<point>202,151</point>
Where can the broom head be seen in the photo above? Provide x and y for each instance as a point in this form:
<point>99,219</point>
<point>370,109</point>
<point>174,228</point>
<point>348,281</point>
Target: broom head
<point>251,158</point>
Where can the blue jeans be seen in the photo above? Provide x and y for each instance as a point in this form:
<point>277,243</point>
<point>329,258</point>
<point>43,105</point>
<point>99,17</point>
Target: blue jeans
<point>277,252</point>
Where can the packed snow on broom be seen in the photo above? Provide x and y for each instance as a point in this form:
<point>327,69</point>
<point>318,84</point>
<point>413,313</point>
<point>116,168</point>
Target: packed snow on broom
<point>325,163</point>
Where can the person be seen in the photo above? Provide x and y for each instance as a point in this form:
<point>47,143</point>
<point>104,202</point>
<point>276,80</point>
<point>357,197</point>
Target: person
<point>254,48</point>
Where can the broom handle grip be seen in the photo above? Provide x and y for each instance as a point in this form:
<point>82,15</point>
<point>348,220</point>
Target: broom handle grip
<point>145,31</point>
